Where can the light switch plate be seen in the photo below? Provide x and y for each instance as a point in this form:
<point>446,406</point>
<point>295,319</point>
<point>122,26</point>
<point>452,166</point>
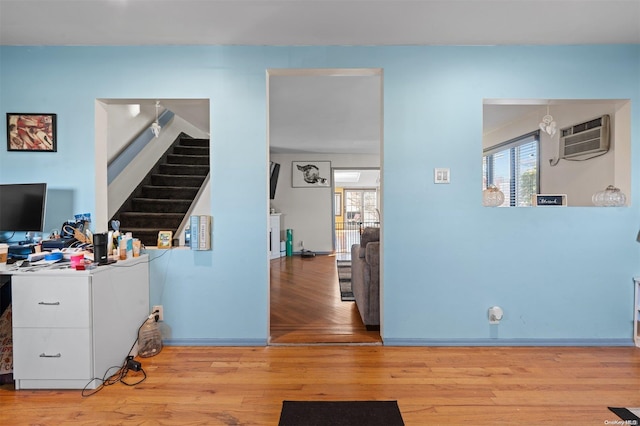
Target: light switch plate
<point>441,175</point>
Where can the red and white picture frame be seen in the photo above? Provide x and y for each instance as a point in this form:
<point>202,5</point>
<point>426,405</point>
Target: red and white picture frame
<point>31,132</point>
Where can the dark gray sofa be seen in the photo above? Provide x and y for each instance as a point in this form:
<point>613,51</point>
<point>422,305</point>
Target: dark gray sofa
<point>365,277</point>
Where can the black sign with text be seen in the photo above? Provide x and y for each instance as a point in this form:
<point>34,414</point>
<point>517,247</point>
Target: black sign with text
<point>550,200</point>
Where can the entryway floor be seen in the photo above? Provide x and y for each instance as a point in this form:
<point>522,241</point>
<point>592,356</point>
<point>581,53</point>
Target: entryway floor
<point>306,306</point>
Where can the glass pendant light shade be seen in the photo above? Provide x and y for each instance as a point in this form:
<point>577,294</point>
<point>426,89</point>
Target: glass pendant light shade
<point>155,127</point>
<point>548,125</point>
<point>610,197</point>
<point>492,196</point>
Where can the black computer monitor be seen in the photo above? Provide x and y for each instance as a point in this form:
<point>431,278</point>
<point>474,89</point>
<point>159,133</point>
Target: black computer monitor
<point>22,207</point>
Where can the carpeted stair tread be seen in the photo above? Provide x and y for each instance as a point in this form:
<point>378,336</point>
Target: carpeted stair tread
<point>169,192</point>
<point>178,176</point>
<point>163,200</point>
<point>176,187</point>
<point>184,180</point>
<point>149,214</point>
<point>184,169</point>
<point>162,205</point>
<point>190,155</point>
<point>191,150</point>
<point>187,159</point>
<point>147,220</point>
<point>194,142</point>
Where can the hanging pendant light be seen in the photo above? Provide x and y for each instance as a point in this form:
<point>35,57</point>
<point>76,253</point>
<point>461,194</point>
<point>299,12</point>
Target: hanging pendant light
<point>548,125</point>
<point>155,127</point>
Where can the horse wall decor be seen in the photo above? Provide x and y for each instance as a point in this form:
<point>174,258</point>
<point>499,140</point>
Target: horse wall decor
<point>310,174</point>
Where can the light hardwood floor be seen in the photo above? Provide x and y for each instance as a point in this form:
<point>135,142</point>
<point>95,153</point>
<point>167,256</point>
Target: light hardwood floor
<point>433,385</point>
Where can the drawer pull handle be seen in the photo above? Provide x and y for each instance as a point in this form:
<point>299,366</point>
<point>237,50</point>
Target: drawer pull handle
<point>48,303</point>
<point>43,355</point>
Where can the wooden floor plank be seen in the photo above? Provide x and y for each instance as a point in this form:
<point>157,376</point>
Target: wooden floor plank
<point>246,386</point>
<point>433,385</point>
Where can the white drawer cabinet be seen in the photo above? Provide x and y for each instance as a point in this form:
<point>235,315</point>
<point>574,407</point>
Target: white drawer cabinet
<point>70,327</point>
<point>52,353</point>
<point>55,301</point>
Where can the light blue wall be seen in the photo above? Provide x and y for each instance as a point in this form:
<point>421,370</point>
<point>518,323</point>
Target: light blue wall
<point>561,275</point>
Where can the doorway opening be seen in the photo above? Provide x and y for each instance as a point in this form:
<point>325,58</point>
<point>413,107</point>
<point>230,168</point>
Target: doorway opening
<point>329,117</point>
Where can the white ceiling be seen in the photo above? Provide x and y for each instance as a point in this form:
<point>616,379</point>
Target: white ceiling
<point>318,22</point>
<point>328,114</point>
<point>317,113</point>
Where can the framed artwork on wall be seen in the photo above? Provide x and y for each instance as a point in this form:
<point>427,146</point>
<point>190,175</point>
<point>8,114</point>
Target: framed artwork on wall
<point>31,132</point>
<point>310,174</point>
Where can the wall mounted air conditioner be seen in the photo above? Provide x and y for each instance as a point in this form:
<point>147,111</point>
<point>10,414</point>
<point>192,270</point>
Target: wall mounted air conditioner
<point>585,139</point>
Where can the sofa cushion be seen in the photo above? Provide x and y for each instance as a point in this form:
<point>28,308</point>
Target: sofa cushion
<point>368,235</point>
<point>372,256</point>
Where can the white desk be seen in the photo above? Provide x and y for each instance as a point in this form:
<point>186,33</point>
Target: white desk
<point>71,326</point>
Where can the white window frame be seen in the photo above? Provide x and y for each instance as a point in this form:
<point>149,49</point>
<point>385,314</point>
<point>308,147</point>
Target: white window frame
<point>512,189</point>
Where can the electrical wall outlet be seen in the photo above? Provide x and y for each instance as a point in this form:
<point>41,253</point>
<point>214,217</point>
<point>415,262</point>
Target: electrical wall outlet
<point>160,312</point>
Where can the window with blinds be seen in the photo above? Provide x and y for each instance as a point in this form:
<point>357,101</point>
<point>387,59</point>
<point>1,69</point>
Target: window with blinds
<point>513,167</point>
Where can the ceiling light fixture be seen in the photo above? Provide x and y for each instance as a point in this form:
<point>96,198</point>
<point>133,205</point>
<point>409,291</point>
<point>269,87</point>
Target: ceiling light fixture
<point>548,125</point>
<point>155,127</point>
<point>347,176</point>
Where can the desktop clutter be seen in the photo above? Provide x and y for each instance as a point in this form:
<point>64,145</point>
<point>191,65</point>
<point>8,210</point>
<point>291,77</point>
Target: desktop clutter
<point>75,246</point>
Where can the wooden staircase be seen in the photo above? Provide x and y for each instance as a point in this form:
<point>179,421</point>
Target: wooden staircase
<point>165,195</point>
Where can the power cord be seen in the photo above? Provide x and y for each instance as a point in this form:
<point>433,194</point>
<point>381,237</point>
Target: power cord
<point>8,239</point>
<point>129,364</point>
<point>118,377</point>
<point>118,265</point>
